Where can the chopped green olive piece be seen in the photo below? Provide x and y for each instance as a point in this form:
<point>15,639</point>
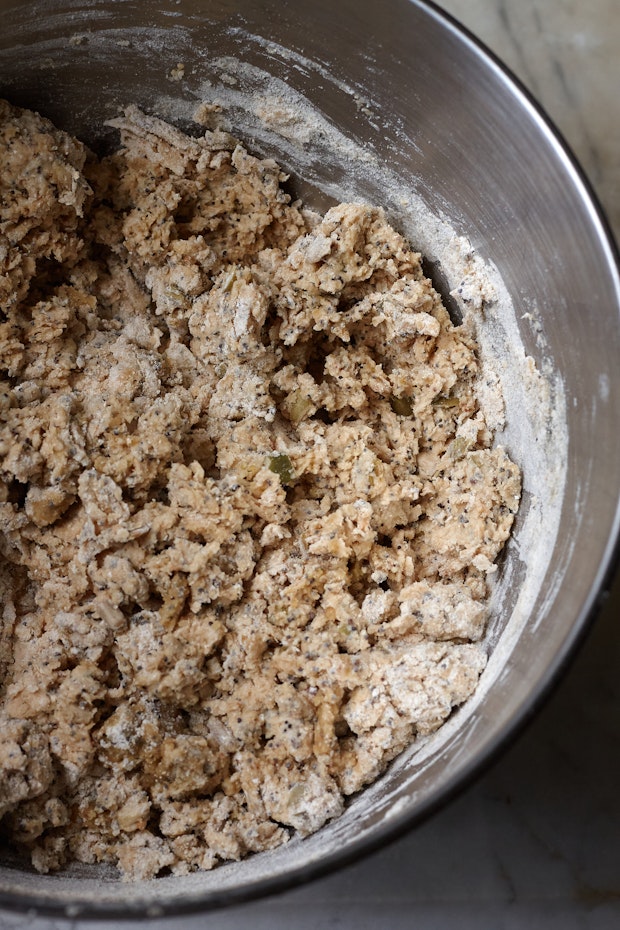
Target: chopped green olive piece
<point>444,400</point>
<point>298,404</point>
<point>401,406</point>
<point>282,466</point>
<point>176,296</point>
<point>458,447</point>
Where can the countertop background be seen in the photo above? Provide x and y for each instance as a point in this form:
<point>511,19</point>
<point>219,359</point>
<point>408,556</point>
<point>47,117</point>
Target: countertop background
<point>535,842</point>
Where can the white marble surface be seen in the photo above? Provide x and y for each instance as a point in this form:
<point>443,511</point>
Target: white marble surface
<point>567,53</point>
<point>535,842</point>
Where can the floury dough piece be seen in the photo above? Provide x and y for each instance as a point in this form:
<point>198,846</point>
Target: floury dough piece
<point>249,507</point>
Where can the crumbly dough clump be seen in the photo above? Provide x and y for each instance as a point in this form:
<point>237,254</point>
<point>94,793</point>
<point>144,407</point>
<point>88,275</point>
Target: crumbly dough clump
<point>249,501</point>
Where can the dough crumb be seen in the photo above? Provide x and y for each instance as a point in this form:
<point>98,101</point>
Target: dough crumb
<point>177,73</point>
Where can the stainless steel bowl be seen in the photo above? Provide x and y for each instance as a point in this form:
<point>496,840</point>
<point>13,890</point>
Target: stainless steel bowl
<point>428,121</point>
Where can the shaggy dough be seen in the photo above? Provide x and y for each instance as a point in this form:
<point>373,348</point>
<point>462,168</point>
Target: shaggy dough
<point>249,501</point>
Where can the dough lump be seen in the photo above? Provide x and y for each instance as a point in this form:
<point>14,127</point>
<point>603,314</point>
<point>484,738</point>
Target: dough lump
<point>249,502</point>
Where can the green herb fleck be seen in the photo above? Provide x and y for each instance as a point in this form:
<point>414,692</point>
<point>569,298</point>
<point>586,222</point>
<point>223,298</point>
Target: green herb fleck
<point>444,400</point>
<point>229,280</point>
<point>282,466</point>
<point>401,406</point>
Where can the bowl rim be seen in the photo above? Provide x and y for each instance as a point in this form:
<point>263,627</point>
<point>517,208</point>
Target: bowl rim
<point>401,823</point>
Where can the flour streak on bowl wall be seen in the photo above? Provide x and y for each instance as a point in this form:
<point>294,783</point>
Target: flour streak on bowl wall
<point>393,105</point>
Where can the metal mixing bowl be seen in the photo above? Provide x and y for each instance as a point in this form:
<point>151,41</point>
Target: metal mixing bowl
<point>444,125</point>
